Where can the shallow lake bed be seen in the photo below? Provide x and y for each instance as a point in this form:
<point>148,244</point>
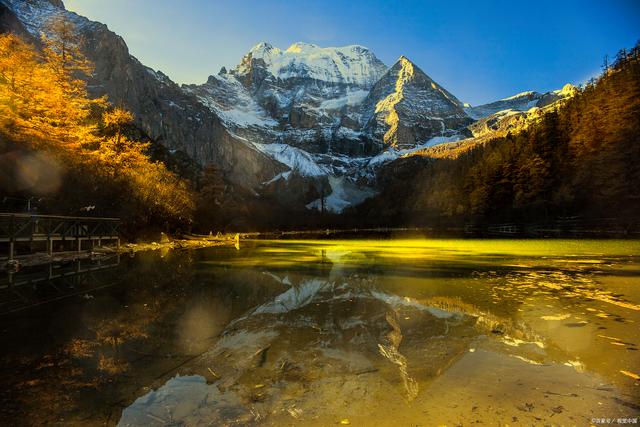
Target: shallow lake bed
<point>318,332</point>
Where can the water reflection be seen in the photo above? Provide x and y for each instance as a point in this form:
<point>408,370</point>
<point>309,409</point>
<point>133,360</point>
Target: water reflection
<point>37,286</point>
<point>365,332</point>
<point>339,342</point>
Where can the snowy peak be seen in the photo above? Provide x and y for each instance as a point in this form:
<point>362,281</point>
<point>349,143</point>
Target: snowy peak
<point>352,65</point>
<point>521,102</point>
<point>263,51</point>
<point>406,107</point>
<point>306,96</point>
<point>261,48</point>
<point>404,70</point>
<point>567,90</point>
<point>522,95</point>
<point>300,47</point>
<point>409,73</point>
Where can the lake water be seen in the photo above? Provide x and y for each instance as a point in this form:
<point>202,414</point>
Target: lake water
<point>408,332</point>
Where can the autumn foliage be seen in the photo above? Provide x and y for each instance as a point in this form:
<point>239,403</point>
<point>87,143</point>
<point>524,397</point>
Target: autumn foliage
<point>45,110</point>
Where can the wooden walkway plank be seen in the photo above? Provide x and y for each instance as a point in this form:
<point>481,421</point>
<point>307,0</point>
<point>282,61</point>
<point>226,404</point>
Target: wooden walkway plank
<point>17,227</point>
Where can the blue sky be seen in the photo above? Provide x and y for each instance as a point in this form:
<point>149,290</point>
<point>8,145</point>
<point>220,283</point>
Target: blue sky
<point>478,50</point>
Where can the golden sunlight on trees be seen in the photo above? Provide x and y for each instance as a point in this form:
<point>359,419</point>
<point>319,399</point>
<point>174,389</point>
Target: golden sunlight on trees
<point>63,51</point>
<point>45,107</point>
<point>116,120</point>
<point>581,159</point>
<point>35,105</point>
<point>117,152</point>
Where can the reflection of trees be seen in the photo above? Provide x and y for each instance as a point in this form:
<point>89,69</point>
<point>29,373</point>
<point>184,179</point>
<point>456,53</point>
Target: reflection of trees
<point>164,313</point>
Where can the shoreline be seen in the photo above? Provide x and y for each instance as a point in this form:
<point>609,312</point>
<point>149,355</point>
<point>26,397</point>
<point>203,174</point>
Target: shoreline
<point>205,241</point>
<point>42,258</point>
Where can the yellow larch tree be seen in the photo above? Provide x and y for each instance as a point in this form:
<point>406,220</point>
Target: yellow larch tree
<point>44,105</point>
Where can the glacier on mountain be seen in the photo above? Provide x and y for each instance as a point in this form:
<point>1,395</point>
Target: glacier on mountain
<point>321,114</point>
<point>226,96</point>
<point>354,64</point>
<point>344,193</point>
<point>296,159</point>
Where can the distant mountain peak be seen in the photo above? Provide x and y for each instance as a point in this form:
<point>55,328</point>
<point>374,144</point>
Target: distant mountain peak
<point>352,65</point>
<point>404,69</point>
<point>525,94</point>
<point>567,90</point>
<point>262,48</point>
<point>299,47</point>
<point>521,102</point>
<point>406,107</point>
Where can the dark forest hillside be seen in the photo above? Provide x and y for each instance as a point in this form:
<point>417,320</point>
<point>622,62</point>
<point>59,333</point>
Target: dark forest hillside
<point>582,160</point>
<point>577,160</point>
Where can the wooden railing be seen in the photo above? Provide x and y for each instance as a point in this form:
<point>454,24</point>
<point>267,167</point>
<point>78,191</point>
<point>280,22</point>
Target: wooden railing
<point>16,227</point>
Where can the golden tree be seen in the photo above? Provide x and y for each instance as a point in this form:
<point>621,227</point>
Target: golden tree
<point>44,105</point>
<point>22,78</point>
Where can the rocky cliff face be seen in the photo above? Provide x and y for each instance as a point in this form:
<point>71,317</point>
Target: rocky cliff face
<point>9,22</point>
<point>407,108</point>
<point>162,109</point>
<point>305,96</point>
<point>286,123</point>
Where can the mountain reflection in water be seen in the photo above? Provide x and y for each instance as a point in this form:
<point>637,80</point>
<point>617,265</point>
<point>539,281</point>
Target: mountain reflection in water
<point>388,332</point>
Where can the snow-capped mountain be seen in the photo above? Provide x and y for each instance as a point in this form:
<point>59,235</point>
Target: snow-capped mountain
<point>351,65</point>
<point>162,109</point>
<point>305,96</point>
<point>332,102</point>
<point>288,123</point>
<point>406,108</point>
<point>523,101</point>
<point>330,111</point>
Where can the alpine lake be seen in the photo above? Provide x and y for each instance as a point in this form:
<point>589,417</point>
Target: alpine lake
<point>406,331</point>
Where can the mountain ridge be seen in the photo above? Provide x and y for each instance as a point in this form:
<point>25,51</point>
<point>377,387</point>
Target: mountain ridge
<point>166,113</point>
<point>522,102</point>
<point>317,112</point>
<point>406,105</point>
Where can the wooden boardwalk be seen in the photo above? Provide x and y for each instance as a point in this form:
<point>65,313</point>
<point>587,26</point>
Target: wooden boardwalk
<point>55,232</point>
